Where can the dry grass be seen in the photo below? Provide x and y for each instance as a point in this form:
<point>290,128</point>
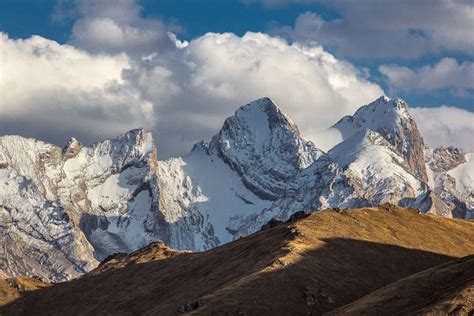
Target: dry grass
<point>310,266</point>
<point>11,288</point>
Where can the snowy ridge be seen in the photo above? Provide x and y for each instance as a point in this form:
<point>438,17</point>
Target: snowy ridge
<point>391,119</point>
<point>383,175</point>
<point>68,208</point>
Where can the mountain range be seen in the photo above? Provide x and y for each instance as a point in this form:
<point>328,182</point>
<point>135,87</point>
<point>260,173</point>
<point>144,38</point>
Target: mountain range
<point>63,210</point>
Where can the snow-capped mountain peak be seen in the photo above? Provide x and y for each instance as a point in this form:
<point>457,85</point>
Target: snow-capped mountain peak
<point>383,114</point>
<point>135,144</point>
<point>264,146</point>
<point>69,208</point>
<point>391,119</point>
<point>72,148</point>
<point>375,171</point>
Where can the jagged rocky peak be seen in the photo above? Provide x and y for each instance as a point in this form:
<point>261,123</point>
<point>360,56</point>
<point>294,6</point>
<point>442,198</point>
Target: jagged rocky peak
<point>138,138</point>
<point>29,157</point>
<point>72,148</point>
<point>444,159</point>
<point>261,126</point>
<point>451,177</point>
<point>391,119</point>
<point>134,146</point>
<point>262,115</point>
<point>264,146</point>
<point>3,160</point>
<point>275,115</point>
<point>383,115</point>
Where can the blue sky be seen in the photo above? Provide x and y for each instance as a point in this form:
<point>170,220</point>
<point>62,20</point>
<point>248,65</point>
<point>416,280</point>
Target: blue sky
<point>22,18</point>
<point>421,51</point>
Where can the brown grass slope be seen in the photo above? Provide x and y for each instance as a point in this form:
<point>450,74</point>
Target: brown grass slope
<point>310,266</point>
<point>11,288</point>
<point>442,290</point>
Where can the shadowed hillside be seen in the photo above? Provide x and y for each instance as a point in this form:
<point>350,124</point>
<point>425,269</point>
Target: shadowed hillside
<point>444,289</point>
<point>309,266</point>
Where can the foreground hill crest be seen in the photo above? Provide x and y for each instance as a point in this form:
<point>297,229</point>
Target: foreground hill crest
<point>293,268</point>
<point>70,208</point>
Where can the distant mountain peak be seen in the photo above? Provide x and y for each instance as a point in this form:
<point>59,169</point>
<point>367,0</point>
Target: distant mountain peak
<point>264,146</point>
<point>275,117</point>
<point>383,111</point>
<point>391,119</point>
<point>137,144</point>
<point>383,98</point>
<point>72,148</point>
<point>136,135</point>
<point>75,206</point>
<point>263,102</point>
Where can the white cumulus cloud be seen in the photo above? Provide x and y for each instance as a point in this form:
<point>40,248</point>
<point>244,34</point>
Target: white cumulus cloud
<point>129,71</point>
<point>446,126</point>
<point>52,91</point>
<point>447,73</point>
<point>182,95</point>
<point>117,26</point>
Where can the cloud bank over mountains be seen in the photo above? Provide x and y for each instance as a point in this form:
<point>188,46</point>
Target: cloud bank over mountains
<point>121,70</point>
<point>446,126</point>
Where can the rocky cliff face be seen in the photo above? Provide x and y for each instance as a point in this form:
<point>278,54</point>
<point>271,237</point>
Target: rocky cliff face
<point>64,210</point>
<point>451,175</point>
<point>264,147</point>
